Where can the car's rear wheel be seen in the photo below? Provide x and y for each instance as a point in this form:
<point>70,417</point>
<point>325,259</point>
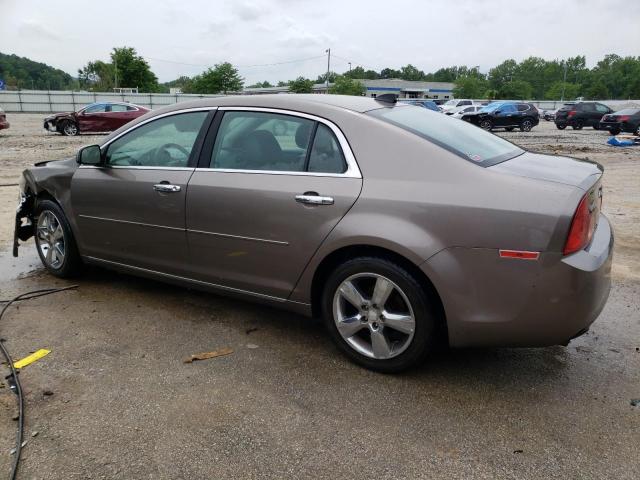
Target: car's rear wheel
<point>637,132</point>
<point>560,126</point>
<point>378,314</point>
<point>526,125</point>
<point>55,242</point>
<point>578,125</point>
<point>486,125</point>
<point>596,126</point>
<point>69,128</point>
<point>614,131</point>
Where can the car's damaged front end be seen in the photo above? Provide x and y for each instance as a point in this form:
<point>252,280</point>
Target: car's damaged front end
<point>44,180</point>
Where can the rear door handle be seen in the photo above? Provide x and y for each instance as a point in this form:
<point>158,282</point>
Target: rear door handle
<point>166,188</point>
<point>311,199</point>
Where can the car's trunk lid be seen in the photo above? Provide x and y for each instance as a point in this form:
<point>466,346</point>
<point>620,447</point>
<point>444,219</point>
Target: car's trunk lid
<point>568,171</point>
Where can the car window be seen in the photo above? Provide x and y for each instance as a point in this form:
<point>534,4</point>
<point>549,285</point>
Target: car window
<point>262,141</point>
<point>462,138</point>
<point>465,102</point>
<point>326,155</point>
<point>118,108</point>
<point>522,107</point>
<point>509,108</point>
<point>129,107</point>
<point>468,109</point>
<point>165,142</point>
<point>602,108</point>
<point>97,108</point>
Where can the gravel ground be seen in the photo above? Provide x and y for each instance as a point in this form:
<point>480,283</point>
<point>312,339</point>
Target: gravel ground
<point>121,404</point>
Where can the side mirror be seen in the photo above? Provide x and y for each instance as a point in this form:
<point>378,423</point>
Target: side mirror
<point>90,155</point>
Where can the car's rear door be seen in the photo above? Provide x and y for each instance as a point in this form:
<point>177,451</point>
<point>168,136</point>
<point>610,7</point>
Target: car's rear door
<point>269,188</point>
<point>116,116</point>
<point>131,210</point>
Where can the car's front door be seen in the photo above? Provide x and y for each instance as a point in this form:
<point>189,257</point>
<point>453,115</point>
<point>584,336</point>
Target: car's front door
<point>92,118</point>
<point>131,210</point>
<point>505,116</point>
<point>270,189</point>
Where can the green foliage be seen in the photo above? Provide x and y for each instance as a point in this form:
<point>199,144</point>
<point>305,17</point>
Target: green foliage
<point>222,78</point>
<point>562,91</point>
<point>132,71</point>
<point>470,87</point>
<point>22,73</point>
<point>361,73</point>
<point>264,84</point>
<point>597,91</point>
<point>323,78</point>
<point>301,85</point>
<point>409,72</point>
<point>344,85</point>
<point>515,90</point>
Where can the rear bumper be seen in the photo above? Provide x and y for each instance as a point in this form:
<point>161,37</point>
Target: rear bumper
<point>493,301</point>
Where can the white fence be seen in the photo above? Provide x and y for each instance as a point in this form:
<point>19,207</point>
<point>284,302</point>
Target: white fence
<point>43,101</point>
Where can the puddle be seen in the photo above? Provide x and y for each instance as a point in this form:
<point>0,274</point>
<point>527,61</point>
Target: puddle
<point>26,265</point>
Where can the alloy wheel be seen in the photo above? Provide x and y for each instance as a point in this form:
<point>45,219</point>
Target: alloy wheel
<point>70,128</point>
<point>526,126</point>
<point>485,125</point>
<point>373,315</point>
<point>50,239</point>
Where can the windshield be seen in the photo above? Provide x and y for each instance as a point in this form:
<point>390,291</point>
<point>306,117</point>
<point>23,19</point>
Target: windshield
<point>451,102</point>
<point>459,137</point>
<point>491,107</point>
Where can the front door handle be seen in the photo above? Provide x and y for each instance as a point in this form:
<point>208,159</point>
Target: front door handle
<point>314,199</point>
<point>166,188</point>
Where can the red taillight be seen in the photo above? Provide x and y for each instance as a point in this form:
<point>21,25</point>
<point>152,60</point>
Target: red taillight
<point>581,228</point>
<point>571,113</point>
<point>623,118</point>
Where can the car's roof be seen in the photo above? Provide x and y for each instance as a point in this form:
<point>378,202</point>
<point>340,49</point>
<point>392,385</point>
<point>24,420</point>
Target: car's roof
<point>286,101</point>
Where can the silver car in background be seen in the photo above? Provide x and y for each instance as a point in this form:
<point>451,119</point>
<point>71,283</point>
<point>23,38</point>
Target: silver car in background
<point>400,227</point>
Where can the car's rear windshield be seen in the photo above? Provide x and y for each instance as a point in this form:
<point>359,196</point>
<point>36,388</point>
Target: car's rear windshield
<point>459,137</point>
<point>628,111</point>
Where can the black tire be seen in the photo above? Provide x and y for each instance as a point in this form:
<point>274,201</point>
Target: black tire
<point>486,125</point>
<point>526,125</point>
<point>596,126</point>
<point>509,129</point>
<point>415,348</point>
<point>560,126</point>
<point>637,132</point>
<point>71,263</point>
<point>578,125</point>
<point>614,131</point>
<point>69,128</point>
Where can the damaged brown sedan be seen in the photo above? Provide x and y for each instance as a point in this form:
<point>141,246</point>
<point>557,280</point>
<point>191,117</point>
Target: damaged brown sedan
<point>400,227</point>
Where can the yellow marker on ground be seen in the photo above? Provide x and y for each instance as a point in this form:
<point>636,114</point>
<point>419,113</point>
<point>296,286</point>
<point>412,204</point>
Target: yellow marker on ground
<point>31,358</point>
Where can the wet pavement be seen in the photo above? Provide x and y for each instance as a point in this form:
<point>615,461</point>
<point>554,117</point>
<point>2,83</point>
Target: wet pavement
<point>285,404</point>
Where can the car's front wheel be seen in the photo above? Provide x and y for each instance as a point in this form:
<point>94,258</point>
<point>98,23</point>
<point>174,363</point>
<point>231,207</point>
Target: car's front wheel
<point>486,125</point>
<point>578,125</point>
<point>55,242</point>
<point>378,314</point>
<point>560,126</point>
<point>69,128</point>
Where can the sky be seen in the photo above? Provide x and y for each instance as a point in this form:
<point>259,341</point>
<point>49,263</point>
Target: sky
<point>183,37</point>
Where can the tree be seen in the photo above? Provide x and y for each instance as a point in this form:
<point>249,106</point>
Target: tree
<point>347,86</point>
<point>98,76</point>
<point>516,90</point>
<point>323,78</point>
<point>558,90</point>
<point>502,74</point>
<point>20,72</point>
<point>387,73</point>
<point>222,78</point>
<point>301,85</point>
<point>133,70</point>
<point>470,87</point>
<point>361,73</point>
<point>409,72</point>
<point>264,84</point>
<point>597,91</point>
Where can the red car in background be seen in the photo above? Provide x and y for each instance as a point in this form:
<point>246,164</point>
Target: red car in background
<point>3,120</point>
<point>94,118</point>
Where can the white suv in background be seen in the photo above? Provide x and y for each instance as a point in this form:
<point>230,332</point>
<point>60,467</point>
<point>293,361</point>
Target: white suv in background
<point>454,103</point>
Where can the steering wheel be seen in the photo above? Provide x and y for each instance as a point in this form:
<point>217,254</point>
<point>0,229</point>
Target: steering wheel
<point>163,157</point>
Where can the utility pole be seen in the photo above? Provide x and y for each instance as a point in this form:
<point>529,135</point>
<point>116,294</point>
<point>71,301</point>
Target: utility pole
<point>328,52</point>
<point>564,81</point>
<point>349,67</point>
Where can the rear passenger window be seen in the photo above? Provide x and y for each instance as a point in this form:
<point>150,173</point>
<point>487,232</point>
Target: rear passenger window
<point>326,155</point>
<point>523,107</point>
<point>602,108</point>
<point>262,141</point>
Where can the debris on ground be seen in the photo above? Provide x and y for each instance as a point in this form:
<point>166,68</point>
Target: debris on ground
<point>252,345</point>
<point>635,402</point>
<point>37,355</point>
<point>47,393</point>
<point>207,355</point>
<point>251,330</point>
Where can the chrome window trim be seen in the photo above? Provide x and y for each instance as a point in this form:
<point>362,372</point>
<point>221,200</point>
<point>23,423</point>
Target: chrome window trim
<point>140,167</point>
<point>151,119</point>
<point>353,170</point>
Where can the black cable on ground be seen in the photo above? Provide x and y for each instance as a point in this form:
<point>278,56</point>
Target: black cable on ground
<point>14,373</point>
